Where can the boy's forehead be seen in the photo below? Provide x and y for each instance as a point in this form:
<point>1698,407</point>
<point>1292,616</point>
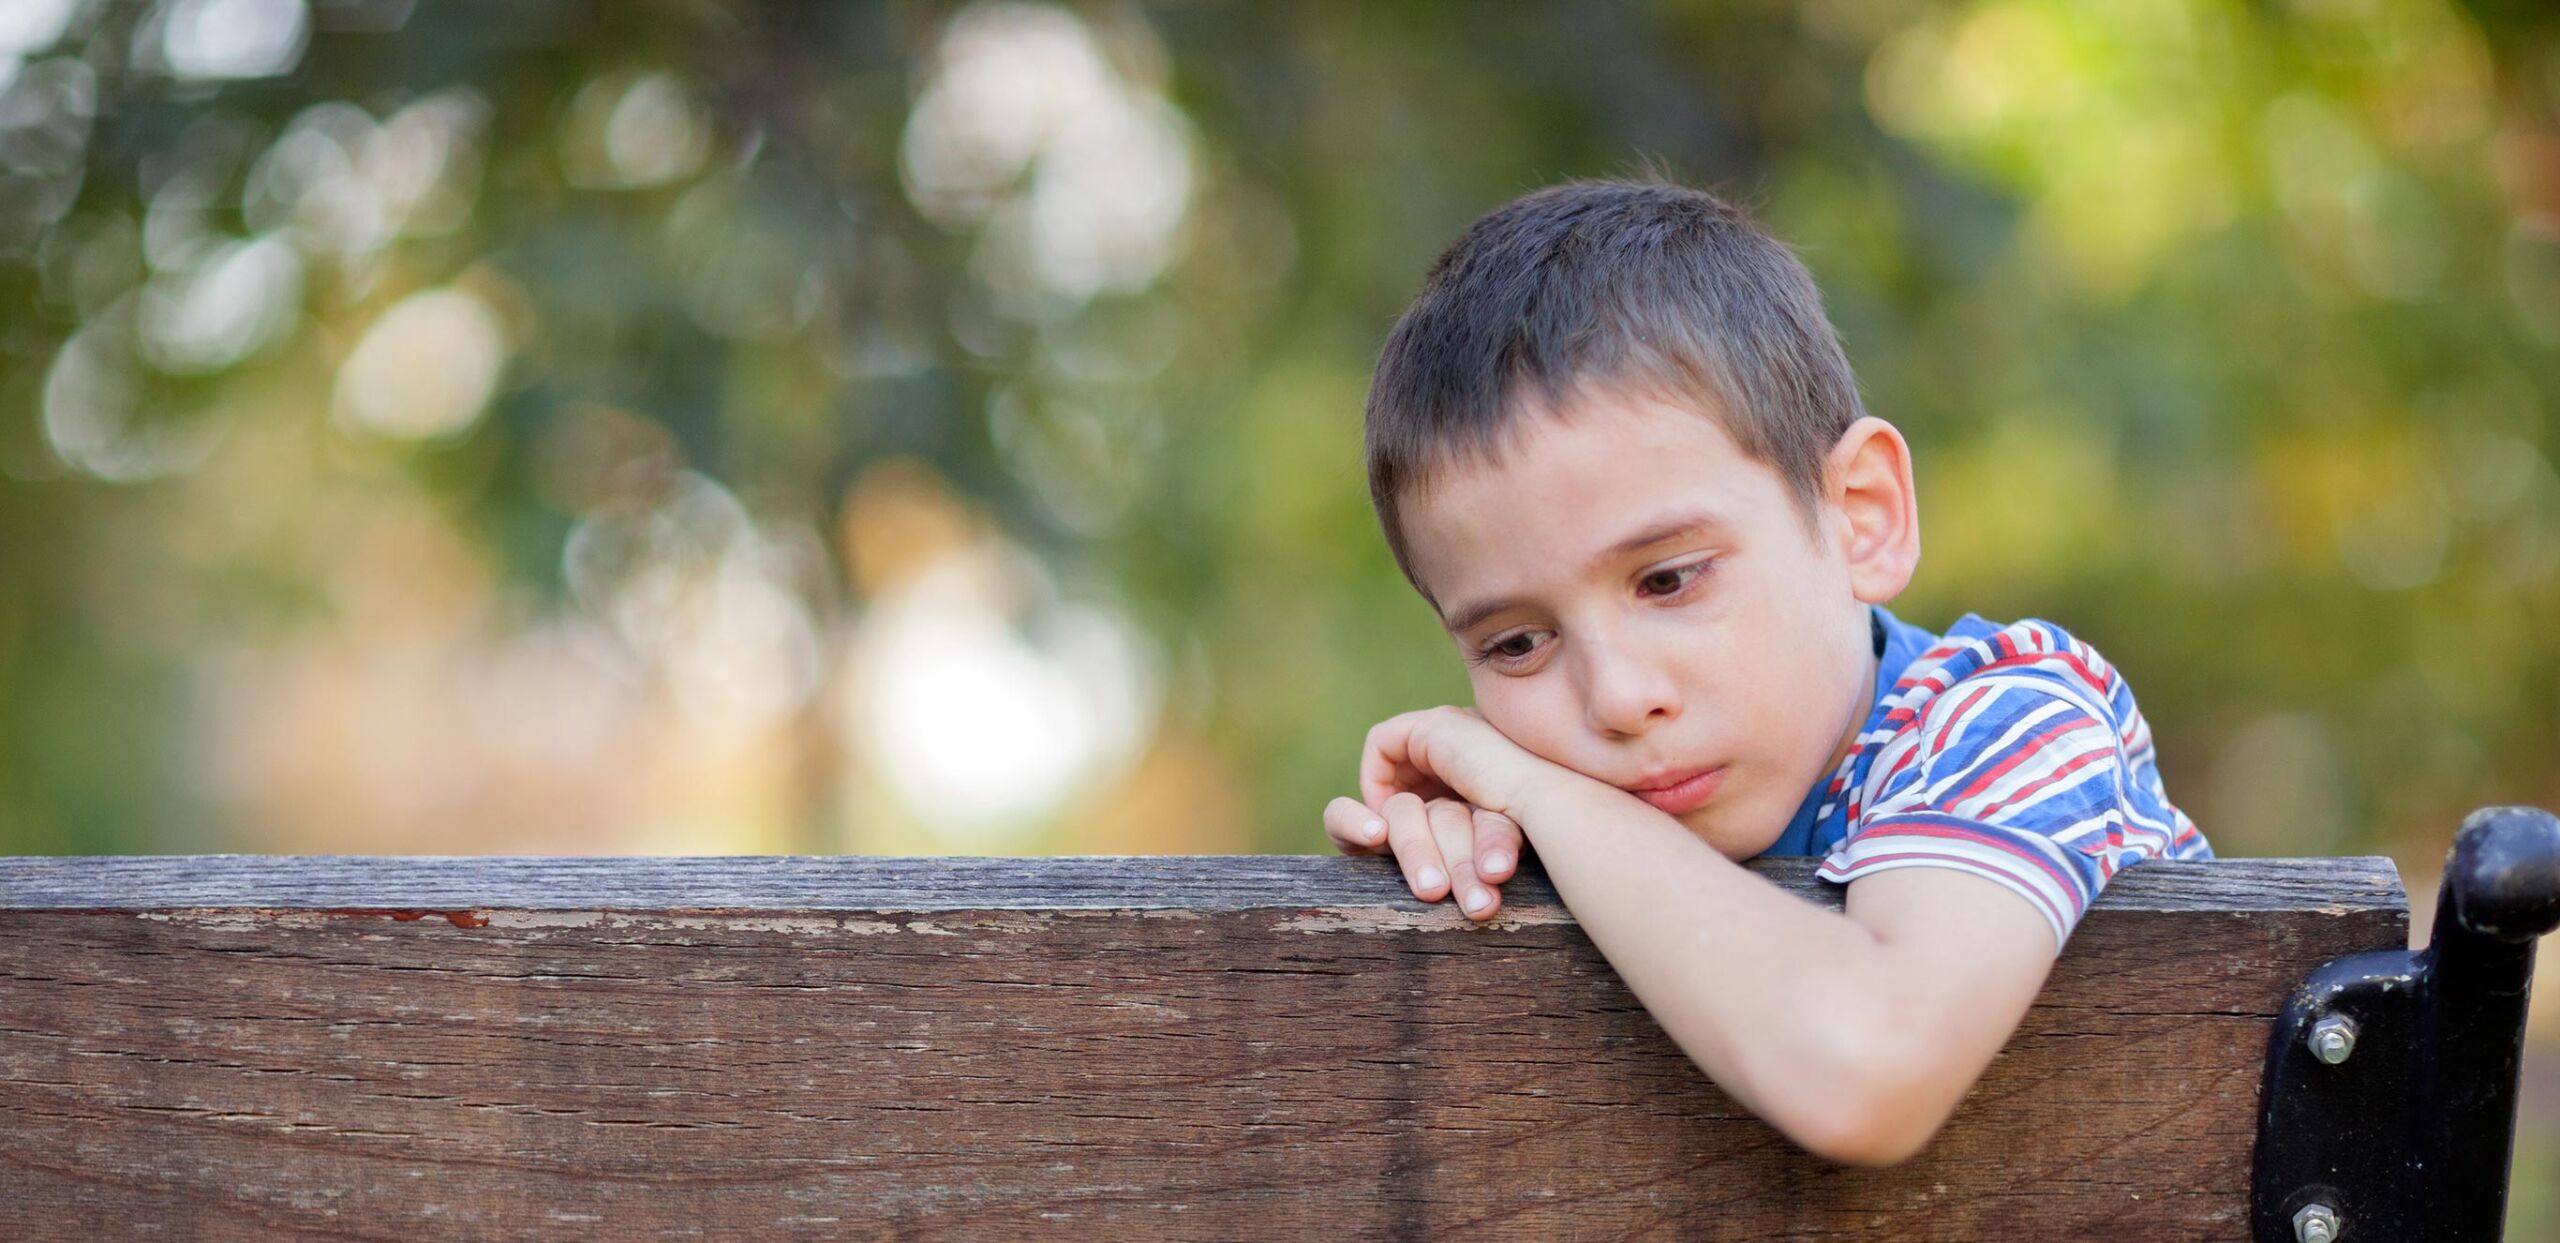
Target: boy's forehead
<point>1592,467</point>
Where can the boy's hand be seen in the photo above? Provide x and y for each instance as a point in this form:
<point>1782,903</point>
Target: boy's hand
<point>1445,847</point>
<point>1441,782</point>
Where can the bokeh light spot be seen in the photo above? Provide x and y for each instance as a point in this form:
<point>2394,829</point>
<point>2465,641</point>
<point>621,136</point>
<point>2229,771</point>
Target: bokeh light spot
<point>426,368</point>
<point>28,26</point>
<point>240,298</point>
<point>234,38</point>
<point>985,702</point>
<point>627,131</point>
<point>1079,176</point>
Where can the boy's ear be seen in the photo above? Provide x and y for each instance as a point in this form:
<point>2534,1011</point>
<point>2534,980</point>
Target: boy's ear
<point>1874,511</point>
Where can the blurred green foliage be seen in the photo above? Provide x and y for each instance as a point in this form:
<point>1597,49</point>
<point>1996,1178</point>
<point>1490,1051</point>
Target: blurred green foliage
<point>2224,333</point>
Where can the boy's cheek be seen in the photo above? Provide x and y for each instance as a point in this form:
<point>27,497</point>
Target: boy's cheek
<point>1519,725</point>
<point>1567,763</point>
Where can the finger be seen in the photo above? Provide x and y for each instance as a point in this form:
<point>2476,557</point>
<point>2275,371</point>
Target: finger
<point>1498,841</point>
<point>1409,835</point>
<point>1353,828</point>
<point>1387,764</point>
<point>1453,825</point>
<point>1381,758</point>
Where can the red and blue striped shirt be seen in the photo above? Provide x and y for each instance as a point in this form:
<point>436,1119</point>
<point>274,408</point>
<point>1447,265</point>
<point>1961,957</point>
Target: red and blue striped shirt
<point>2014,753</point>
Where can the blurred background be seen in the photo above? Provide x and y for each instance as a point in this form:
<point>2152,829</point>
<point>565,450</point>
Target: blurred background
<point>592,426</point>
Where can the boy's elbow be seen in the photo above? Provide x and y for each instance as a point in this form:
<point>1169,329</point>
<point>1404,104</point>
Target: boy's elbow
<point>1872,1116</point>
<point>1873,1139</point>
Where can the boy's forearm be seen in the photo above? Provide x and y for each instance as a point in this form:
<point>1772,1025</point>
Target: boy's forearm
<point>1779,1001</point>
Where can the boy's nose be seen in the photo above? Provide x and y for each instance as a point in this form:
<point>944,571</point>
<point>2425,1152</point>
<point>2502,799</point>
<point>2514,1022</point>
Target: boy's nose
<point>1627,696</point>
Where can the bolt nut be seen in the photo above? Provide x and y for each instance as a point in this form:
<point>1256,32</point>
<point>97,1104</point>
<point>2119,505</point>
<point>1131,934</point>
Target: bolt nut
<point>2333,1038</point>
<point>2316,1223</point>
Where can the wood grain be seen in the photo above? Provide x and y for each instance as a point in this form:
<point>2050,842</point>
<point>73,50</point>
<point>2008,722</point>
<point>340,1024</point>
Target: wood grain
<point>1198,1047</point>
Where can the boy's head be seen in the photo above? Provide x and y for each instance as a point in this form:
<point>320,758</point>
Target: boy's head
<point>1599,361</point>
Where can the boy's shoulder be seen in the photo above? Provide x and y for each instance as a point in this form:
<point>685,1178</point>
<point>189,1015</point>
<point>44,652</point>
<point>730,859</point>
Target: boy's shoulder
<point>2030,656</point>
<point>1999,698</point>
<point>2015,752</point>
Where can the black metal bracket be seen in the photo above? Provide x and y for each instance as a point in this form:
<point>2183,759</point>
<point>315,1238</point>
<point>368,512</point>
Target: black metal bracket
<point>2389,1106</point>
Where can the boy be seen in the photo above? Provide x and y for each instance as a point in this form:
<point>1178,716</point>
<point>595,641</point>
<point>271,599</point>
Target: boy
<point>1616,446</point>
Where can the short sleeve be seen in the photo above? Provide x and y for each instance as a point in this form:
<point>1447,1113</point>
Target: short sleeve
<point>2017,775</point>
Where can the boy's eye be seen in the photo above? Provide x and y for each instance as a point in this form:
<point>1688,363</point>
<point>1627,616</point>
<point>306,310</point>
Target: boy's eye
<point>1508,650</point>
<point>1513,649</point>
<point>1670,580</point>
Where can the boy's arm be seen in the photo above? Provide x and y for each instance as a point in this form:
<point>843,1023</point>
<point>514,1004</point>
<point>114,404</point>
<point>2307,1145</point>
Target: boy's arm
<point>1856,1034</point>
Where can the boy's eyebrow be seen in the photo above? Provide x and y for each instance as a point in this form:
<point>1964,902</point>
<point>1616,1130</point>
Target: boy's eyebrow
<point>1671,526</point>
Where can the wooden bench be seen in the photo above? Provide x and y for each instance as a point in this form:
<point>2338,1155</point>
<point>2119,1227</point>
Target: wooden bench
<point>1271,1046</point>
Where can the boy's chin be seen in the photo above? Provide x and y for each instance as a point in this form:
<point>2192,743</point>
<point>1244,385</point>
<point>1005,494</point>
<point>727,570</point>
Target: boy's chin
<point>1733,836</point>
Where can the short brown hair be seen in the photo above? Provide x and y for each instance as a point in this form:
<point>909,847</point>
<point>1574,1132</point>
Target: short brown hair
<point>1649,284</point>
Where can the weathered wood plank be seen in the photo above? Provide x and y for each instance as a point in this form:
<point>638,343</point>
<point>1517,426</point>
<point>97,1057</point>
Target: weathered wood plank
<point>858,883</point>
<point>1199,1047</point>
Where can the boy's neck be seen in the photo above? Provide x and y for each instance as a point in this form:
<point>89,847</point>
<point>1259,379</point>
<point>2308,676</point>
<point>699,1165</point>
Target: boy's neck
<point>1872,652</point>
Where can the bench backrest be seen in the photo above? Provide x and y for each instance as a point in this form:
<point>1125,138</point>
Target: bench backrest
<point>1206,1047</point>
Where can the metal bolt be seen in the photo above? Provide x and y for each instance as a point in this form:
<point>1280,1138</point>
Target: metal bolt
<point>2316,1223</point>
<point>2333,1038</point>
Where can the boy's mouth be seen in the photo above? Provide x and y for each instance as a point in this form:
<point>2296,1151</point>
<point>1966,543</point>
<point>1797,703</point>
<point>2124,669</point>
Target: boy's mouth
<point>1681,792</point>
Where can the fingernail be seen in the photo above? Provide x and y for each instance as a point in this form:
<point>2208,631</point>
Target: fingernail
<point>1429,878</point>
<point>1496,862</point>
<point>1369,832</point>
<point>1477,900</point>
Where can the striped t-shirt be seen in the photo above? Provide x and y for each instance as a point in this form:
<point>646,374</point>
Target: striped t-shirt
<point>2011,752</point>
